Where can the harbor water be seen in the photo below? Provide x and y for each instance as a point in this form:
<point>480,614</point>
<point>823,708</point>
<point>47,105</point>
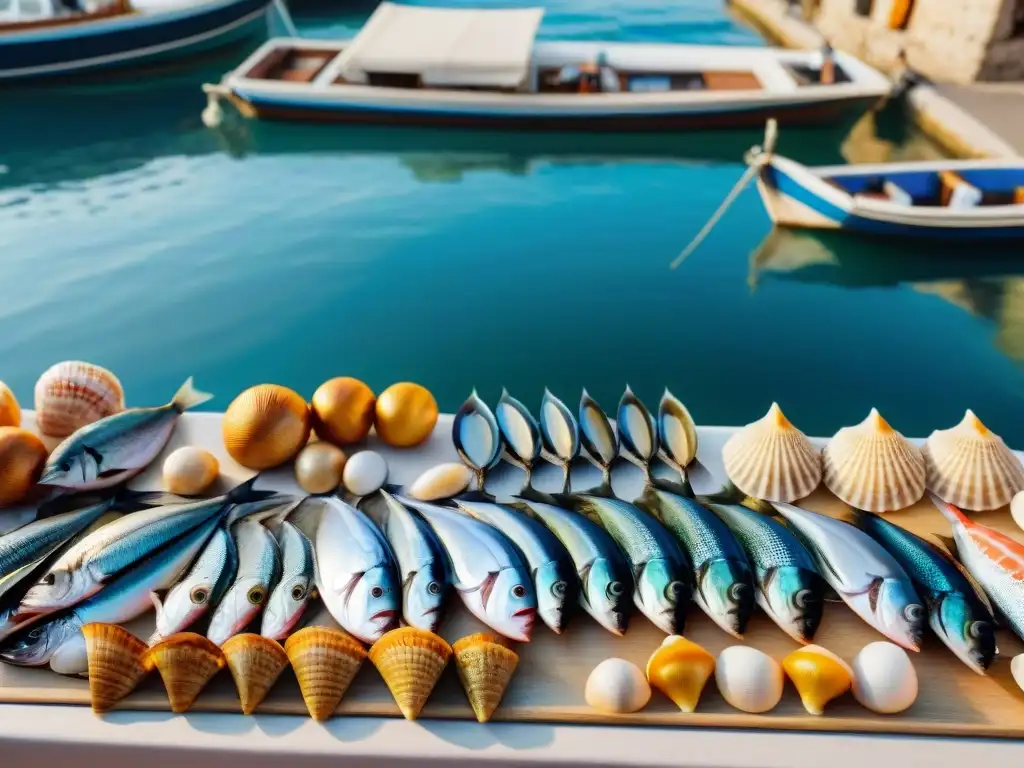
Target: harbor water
<point>134,237</point>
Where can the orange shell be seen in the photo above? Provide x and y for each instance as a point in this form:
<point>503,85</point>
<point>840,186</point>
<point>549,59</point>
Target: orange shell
<point>22,456</point>
<point>411,661</point>
<point>405,415</point>
<point>256,662</point>
<point>10,411</point>
<point>116,663</point>
<point>265,426</point>
<point>485,665</point>
<point>187,662</point>
<point>342,410</point>
<point>325,662</point>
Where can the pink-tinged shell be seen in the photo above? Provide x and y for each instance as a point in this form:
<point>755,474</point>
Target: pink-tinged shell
<point>73,394</point>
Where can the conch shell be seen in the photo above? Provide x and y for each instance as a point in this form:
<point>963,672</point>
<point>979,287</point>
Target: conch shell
<point>255,662</point>
<point>485,666</point>
<point>773,460</point>
<point>325,661</point>
<point>10,411</point>
<point>680,669</point>
<point>411,661</point>
<point>971,467</point>
<point>187,662</point>
<point>73,394</point>
<point>873,467</point>
<point>818,675</point>
<point>441,482</point>
<point>116,663</point>
<point>265,426</point>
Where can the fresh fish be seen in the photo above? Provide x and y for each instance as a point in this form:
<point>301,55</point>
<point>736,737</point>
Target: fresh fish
<point>356,573</point>
<point>230,569</point>
<point>118,447</point>
<point>258,569</point>
<point>955,611</point>
<point>290,597</point>
<point>487,571</point>
<point>475,435</point>
<point>519,431</point>
<point>865,576</point>
<point>420,558</point>
<point>560,435</point>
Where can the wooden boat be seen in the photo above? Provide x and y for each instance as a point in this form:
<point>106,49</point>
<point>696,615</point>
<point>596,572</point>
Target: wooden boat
<point>43,39</point>
<point>484,69</point>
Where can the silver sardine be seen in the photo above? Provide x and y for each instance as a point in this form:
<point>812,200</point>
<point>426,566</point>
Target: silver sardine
<point>289,598</point>
<point>258,569</point>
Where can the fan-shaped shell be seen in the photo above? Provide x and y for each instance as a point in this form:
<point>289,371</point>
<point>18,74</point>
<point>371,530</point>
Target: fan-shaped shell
<point>677,431</point>
<point>325,661</point>
<point>255,662</point>
<point>189,471</point>
<point>441,482</point>
<point>74,394</point>
<point>411,661</point>
<point>558,429</point>
<point>265,426</point>
<point>475,434</point>
<point>116,663</point>
<point>22,456</point>
<point>637,430</point>
<point>596,432</point>
<point>873,467</point>
<point>971,467</point>
<point>519,429</point>
<point>485,666</point>
<point>771,459</point>
<point>187,662</point>
<point>10,411</point>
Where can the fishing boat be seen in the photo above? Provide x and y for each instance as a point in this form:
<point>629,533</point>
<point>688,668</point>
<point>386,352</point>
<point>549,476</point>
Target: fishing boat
<point>486,69</point>
<point>46,39</point>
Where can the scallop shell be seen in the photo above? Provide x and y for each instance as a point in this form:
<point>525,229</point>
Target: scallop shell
<point>186,662</point>
<point>971,467</point>
<point>475,434</point>
<point>342,409</point>
<point>116,663</point>
<point>325,661</point>
<point>22,456</point>
<point>319,467</point>
<point>411,661</point>
<point>558,429</point>
<point>873,467</point>
<point>364,473</point>
<point>677,431</point>
<point>10,411</point>
<point>617,686</point>
<point>255,662</point>
<point>519,429</point>
<point>265,426</point>
<point>189,471</point>
<point>441,482</point>
<point>818,675</point>
<point>748,679</point>
<point>596,432</point>
<point>884,679</point>
<point>73,394</point>
<point>773,460</point>
<point>680,669</point>
<point>485,666</point>
<point>637,430</point>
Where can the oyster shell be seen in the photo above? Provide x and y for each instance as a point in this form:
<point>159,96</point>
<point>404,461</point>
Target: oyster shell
<point>74,394</point>
<point>485,666</point>
<point>116,663</point>
<point>411,661</point>
<point>325,661</point>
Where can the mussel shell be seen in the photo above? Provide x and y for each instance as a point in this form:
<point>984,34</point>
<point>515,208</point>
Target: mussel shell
<point>596,432</point>
<point>475,434</point>
<point>677,431</point>
<point>636,427</point>
<point>519,429</point>
<point>558,429</point>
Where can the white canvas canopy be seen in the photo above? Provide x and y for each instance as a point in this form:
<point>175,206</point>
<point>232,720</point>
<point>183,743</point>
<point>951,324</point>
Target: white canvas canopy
<point>444,46</point>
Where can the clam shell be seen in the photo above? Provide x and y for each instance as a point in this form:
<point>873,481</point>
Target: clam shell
<point>22,456</point>
<point>319,467</point>
<point>485,666</point>
<point>637,430</point>
<point>519,429</point>
<point>773,460</point>
<point>617,686</point>
<point>558,429</point>
<point>677,431</point>
<point>441,482</point>
<point>186,662</point>
<point>873,467</point>
<point>365,473</point>
<point>596,432</point>
<point>475,434</point>
<point>116,663</point>
<point>818,675</point>
<point>265,426</point>
<point>750,680</point>
<point>74,394</point>
<point>411,661</point>
<point>884,678</point>
<point>680,669</point>
<point>10,411</point>
<point>189,471</point>
<point>255,662</point>
<point>971,467</point>
<point>325,661</point>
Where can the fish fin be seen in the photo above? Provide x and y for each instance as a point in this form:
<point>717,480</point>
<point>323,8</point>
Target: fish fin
<point>9,580</point>
<point>345,590</point>
<point>157,597</point>
<point>487,587</point>
<point>874,589</point>
<point>188,397</point>
<point>96,455</point>
<point>638,571</point>
<point>702,570</point>
<point>766,582</point>
<point>858,518</point>
<point>126,500</point>
<point>247,492</point>
<point>584,575</point>
<point>949,543</point>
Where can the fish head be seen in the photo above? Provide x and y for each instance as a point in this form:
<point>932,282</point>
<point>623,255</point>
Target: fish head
<point>965,629</point>
<point>60,587</point>
<point>608,595</point>
<point>285,606</point>
<point>182,607</point>
<point>726,590</point>
<point>425,592</point>
<point>795,598</point>
<point>36,645</point>
<point>69,466</point>
<point>555,585</point>
<point>509,601</point>
<point>664,595</point>
<point>372,603</point>
<point>900,614</point>
<point>237,608</point>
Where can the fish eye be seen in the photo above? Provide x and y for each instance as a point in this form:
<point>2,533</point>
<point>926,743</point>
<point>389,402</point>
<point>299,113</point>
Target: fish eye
<point>803,598</point>
<point>65,466</point>
<point>615,589</point>
<point>36,633</point>
<point>434,588</point>
<point>980,629</point>
<point>377,592</point>
<point>674,590</point>
<point>737,591</point>
<point>256,595</point>
<point>298,592</point>
<point>50,579</point>
<point>558,588</point>
<point>200,595</point>
<point>519,591</point>
<point>914,612</point>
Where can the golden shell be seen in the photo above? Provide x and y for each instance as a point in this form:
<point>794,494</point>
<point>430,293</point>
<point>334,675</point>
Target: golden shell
<point>873,467</point>
<point>189,471</point>
<point>265,426</point>
<point>971,467</point>
<point>255,662</point>
<point>485,666</point>
<point>818,675</point>
<point>116,663</point>
<point>411,661</point>
<point>10,411</point>
<point>680,669</point>
<point>22,456</point>
<point>186,662</point>
<point>325,662</point>
<point>771,459</point>
<point>319,467</point>
<point>405,414</point>
<point>343,410</point>
<point>73,394</point>
<point>441,482</point>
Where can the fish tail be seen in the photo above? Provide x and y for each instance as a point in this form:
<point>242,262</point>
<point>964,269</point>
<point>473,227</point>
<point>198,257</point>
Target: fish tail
<point>127,500</point>
<point>188,397</point>
<point>246,491</point>
<point>858,517</point>
<point>949,511</point>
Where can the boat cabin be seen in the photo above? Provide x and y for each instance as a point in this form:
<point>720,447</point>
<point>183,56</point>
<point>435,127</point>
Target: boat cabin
<point>960,188</point>
<point>18,15</point>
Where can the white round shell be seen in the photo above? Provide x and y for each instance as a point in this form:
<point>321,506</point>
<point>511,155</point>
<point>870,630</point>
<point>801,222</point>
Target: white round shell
<point>365,473</point>
<point>1017,510</point>
<point>441,482</point>
<point>189,471</point>
<point>748,679</point>
<point>1017,670</point>
<point>617,686</point>
<point>884,679</point>
<point>74,394</point>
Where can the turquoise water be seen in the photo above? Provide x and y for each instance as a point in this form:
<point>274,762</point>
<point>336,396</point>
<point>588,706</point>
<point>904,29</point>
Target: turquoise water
<point>133,237</point>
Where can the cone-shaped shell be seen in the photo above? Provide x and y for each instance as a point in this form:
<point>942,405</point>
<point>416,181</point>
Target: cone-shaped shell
<point>187,662</point>
<point>325,661</point>
<point>636,427</point>
<point>873,467</point>
<point>411,661</point>
<point>519,430</point>
<point>677,431</point>
<point>10,411</point>
<point>475,434</point>
<point>116,663</point>
<point>773,460</point>
<point>680,669</point>
<point>73,394</point>
<point>265,426</point>
<point>971,467</point>
<point>818,675</point>
<point>485,666</point>
<point>255,662</point>
<point>441,482</point>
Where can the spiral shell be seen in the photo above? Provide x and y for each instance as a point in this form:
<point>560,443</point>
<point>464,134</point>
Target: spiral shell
<point>319,467</point>
<point>74,394</point>
<point>411,661</point>
<point>189,471</point>
<point>10,411</point>
<point>342,410</point>
<point>485,666</point>
<point>186,662</point>
<point>255,662</point>
<point>325,662</point>
<point>22,456</point>
<point>116,663</point>
<point>265,426</point>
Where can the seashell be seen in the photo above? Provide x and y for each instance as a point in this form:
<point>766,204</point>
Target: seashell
<point>1017,509</point>
<point>319,467</point>
<point>255,662</point>
<point>73,394</point>
<point>884,679</point>
<point>406,414</point>
<point>680,669</point>
<point>189,471</point>
<point>325,661</point>
<point>677,432</point>
<point>748,679</point>
<point>22,456</point>
<point>10,411</point>
<point>1017,670</point>
<point>441,482</point>
<point>341,410</point>
<point>873,467</point>
<point>971,467</point>
<point>186,662</point>
<point>411,661</point>
<point>596,432</point>
<point>116,663</point>
<point>773,460</point>
<point>265,426</point>
<point>558,429</point>
<point>617,686</point>
<point>519,429</point>
<point>365,473</point>
<point>636,427</point>
<point>475,434</point>
<point>485,666</point>
<point>818,675</point>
